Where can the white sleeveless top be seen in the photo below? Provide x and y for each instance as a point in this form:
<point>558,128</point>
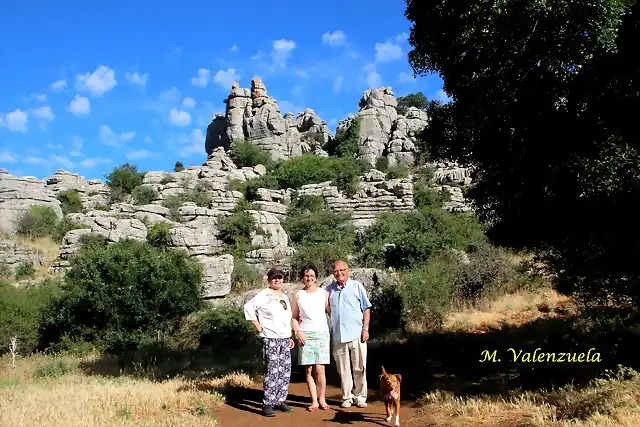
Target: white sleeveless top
<point>312,310</point>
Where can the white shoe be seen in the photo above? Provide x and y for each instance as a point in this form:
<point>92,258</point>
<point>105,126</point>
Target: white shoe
<point>361,404</point>
<point>346,404</point>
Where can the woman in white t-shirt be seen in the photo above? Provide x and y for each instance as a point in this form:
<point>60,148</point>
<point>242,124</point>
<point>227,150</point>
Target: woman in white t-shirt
<point>270,312</point>
<point>311,329</point>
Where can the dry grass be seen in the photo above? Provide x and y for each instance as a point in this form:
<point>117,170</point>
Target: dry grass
<point>46,249</point>
<point>511,310</point>
<point>614,401</point>
<point>51,391</point>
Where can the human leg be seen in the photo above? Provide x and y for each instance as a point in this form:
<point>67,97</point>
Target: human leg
<point>323,359</point>
<point>343,364</point>
<point>321,384</point>
<point>311,384</point>
<point>283,373</point>
<point>358,351</point>
<point>270,360</point>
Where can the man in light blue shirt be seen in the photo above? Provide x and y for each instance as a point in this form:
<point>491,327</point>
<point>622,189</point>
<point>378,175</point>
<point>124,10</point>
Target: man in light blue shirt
<point>350,314</point>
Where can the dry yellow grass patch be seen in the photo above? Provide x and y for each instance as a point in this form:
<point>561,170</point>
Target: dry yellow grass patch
<point>46,248</point>
<point>605,402</point>
<point>39,393</point>
<point>512,310</point>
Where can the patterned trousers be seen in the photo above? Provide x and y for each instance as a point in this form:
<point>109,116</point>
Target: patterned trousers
<point>277,366</point>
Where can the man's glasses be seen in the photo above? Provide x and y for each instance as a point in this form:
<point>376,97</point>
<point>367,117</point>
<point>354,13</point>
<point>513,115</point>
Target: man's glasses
<point>341,270</point>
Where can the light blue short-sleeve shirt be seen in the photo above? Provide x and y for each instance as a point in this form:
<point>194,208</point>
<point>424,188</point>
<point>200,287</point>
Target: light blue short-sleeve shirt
<point>347,305</point>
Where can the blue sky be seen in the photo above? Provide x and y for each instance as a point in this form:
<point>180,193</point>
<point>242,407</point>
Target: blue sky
<point>87,86</point>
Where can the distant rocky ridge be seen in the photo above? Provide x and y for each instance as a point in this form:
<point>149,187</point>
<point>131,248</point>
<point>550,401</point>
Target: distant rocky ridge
<point>255,117</point>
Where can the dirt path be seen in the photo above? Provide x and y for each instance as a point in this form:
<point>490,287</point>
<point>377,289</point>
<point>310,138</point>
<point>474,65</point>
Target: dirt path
<point>243,410</point>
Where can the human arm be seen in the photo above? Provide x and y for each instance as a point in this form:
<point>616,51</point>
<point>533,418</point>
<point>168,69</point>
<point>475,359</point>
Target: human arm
<point>295,325</point>
<point>365,306</point>
<point>327,307</point>
<point>250,309</point>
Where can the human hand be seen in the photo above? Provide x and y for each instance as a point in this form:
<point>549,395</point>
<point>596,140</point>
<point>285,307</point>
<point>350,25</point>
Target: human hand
<point>291,344</point>
<point>302,338</point>
<point>364,336</point>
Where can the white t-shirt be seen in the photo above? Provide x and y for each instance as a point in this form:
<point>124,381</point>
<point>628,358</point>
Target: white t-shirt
<point>311,305</point>
<point>270,311</point>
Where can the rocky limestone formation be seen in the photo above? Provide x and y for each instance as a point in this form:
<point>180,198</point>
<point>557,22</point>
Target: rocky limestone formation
<point>254,116</point>
<point>17,194</point>
<point>384,132</point>
<point>93,192</point>
<point>13,254</point>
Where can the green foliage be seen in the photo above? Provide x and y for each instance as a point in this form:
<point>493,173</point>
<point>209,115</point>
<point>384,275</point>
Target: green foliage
<point>406,239</point>
<point>167,178</point>
<point>235,231</point>
<point>179,167</point>
<point>121,295</point>
<point>200,194</point>
<point>244,276</point>
<point>541,97</point>
<point>53,369</point>
<point>24,270</point>
<point>251,187</point>
<point>417,100</point>
<point>322,255</point>
<point>122,180</point>
<point>70,202</point>
<point>21,312</point>
<point>173,203</point>
<point>382,164</point>
<point>37,221</point>
<point>225,328</point>
<point>398,171</point>
<point>346,142</point>
<point>159,235</point>
<point>245,154</point>
<point>5,271</point>
<point>144,194</point>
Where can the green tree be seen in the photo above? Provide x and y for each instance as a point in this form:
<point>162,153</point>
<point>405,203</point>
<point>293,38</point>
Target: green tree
<point>417,100</point>
<point>545,100</point>
<point>123,179</point>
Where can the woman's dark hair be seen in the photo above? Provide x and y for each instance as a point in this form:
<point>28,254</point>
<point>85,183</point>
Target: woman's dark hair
<point>308,267</point>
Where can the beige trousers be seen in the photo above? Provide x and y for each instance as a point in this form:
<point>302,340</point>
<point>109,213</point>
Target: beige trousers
<point>348,356</point>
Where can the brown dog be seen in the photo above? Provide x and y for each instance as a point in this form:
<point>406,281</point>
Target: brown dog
<point>390,390</point>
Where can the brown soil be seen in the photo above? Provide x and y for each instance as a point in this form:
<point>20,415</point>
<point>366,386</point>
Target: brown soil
<point>243,410</point>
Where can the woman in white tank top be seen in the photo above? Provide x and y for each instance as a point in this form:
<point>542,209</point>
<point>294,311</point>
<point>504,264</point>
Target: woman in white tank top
<point>309,307</point>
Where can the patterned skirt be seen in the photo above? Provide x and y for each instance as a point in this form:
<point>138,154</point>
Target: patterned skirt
<point>315,349</point>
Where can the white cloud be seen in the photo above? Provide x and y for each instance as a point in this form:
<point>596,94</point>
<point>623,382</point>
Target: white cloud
<point>203,78</point>
<point>301,73</point>
<point>402,37</point>
<point>195,142</point>
<point>147,139</point>
<point>388,51</point>
<point>405,77</point>
<point>43,113</point>
<point>94,161</point>
<point>179,118</point>
<point>58,86</point>
<point>112,139</point>
<point>290,107</point>
<point>335,38</point>
<point>282,51</point>
<point>54,146</point>
<point>442,96</point>
<point>189,102</point>
<point>62,161</point>
<point>40,97</point>
<point>234,48</point>
<point>137,78</point>
<point>53,160</point>
<point>16,121</point>
<point>337,84</point>
<point>139,154</point>
<point>102,80</point>
<point>373,78</point>
<point>76,144</point>
<point>80,106</point>
<point>6,157</point>
<point>226,78</point>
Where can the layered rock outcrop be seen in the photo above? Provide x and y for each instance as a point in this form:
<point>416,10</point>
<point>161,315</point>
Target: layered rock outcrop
<point>254,116</point>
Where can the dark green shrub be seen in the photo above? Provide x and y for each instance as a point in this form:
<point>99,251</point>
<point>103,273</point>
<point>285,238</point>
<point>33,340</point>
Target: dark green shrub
<point>398,171</point>
<point>245,277</point>
<point>5,271</point>
<point>122,180</point>
<point>235,231</point>
<point>226,328</point>
<point>178,167</point>
<point>167,178</point>
<point>322,255</point>
<point>37,221</point>
<point>70,202</point>
<point>346,143</point>
<point>144,194</point>
<point>382,164</point>
<point>63,227</point>
<point>159,235</point>
<point>173,203</point>
<point>21,313</point>
<point>24,270</point>
<point>245,154</point>
<point>200,194</point>
<point>121,295</point>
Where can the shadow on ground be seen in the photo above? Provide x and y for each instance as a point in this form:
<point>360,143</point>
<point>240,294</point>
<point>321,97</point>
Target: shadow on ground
<point>435,361</point>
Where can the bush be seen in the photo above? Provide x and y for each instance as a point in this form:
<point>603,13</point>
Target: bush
<point>159,235</point>
<point>245,154</point>
<point>200,194</point>
<point>398,171</point>
<point>346,143</point>
<point>144,194</point>
<point>119,296</point>
<point>21,313</point>
<point>37,221</point>
<point>24,270</point>
<point>322,255</point>
<point>178,167</point>
<point>226,328</point>
<point>70,202</point>
<point>173,203</point>
<point>122,180</point>
<point>244,276</point>
<point>382,164</point>
<point>235,231</point>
